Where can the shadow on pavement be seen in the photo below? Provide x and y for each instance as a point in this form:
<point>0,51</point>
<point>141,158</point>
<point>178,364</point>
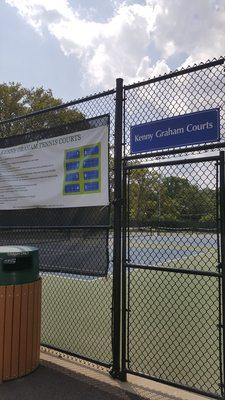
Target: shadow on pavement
<point>48,384</point>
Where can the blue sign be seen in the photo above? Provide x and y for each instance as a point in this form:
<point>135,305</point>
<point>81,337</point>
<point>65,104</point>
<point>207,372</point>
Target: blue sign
<point>183,130</point>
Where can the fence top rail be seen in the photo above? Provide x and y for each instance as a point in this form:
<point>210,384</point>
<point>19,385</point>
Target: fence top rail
<point>190,160</point>
<point>176,73</point>
<point>59,107</point>
<point>175,151</point>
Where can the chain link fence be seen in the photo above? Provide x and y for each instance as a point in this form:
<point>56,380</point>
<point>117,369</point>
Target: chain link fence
<point>182,92</point>
<point>76,309</point>
<point>172,288</point>
<point>174,276</point>
<point>172,258</point>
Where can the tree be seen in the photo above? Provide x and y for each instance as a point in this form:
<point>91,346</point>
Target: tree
<point>192,202</point>
<point>143,195</point>
<point>156,199</point>
<point>15,100</point>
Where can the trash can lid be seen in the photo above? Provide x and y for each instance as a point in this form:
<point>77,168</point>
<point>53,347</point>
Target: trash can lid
<point>18,265</point>
<point>16,250</point>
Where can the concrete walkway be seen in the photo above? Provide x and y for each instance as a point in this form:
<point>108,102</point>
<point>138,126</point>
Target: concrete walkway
<point>66,378</point>
<point>98,377</point>
<point>48,384</point>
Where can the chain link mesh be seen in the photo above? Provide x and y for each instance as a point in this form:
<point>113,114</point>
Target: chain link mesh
<point>173,328</point>
<point>173,275</point>
<point>165,202</point>
<point>174,317</point>
<point>185,93</point>
<point>76,310</point>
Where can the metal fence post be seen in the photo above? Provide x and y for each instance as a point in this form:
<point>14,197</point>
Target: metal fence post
<point>222,224</point>
<point>116,312</point>
<point>125,244</point>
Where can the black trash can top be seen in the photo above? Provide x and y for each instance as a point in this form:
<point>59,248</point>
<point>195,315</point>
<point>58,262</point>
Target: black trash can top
<point>18,265</point>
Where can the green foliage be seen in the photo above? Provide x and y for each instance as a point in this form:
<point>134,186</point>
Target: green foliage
<point>15,100</point>
<point>156,199</point>
<point>207,218</point>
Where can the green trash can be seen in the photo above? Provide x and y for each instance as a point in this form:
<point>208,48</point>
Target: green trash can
<point>20,311</point>
<point>18,265</point>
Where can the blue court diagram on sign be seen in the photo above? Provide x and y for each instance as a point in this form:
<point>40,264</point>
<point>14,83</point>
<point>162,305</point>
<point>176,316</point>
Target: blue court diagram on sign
<point>72,154</point>
<point>91,150</point>
<point>82,170</point>
<point>72,188</point>
<point>92,186</point>
<point>91,175</point>
<point>90,163</point>
<point>72,177</point>
<point>72,165</point>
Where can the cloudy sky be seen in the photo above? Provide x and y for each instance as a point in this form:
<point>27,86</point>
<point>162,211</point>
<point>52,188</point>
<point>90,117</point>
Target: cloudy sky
<point>77,47</point>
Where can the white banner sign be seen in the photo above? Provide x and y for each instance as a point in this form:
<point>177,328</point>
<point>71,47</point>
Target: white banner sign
<point>63,171</point>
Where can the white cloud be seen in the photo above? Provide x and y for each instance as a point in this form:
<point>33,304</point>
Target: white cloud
<point>194,27</point>
<point>120,46</point>
<point>39,13</point>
